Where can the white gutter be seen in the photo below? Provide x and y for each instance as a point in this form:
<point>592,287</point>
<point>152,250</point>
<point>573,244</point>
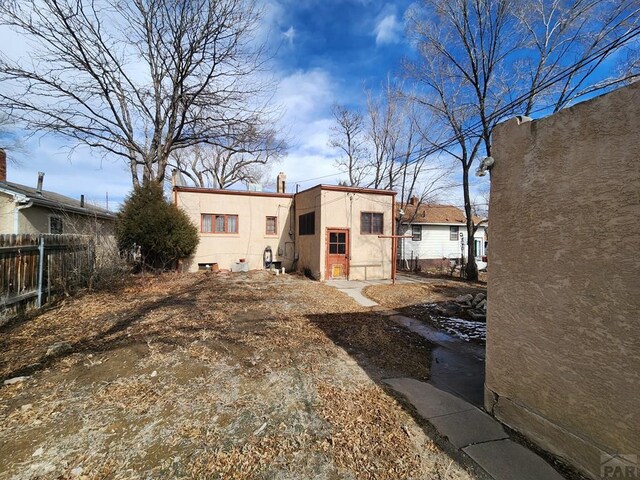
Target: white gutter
<point>16,214</point>
<point>21,201</point>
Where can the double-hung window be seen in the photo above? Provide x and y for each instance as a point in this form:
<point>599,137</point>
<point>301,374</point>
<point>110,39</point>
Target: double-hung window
<point>416,233</point>
<point>453,233</point>
<point>272,226</point>
<point>371,223</point>
<point>219,223</point>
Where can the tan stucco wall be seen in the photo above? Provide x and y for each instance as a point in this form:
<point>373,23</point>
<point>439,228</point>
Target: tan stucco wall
<point>309,246</point>
<point>370,256</point>
<point>35,219</point>
<point>563,342</point>
<point>251,240</point>
<point>6,214</point>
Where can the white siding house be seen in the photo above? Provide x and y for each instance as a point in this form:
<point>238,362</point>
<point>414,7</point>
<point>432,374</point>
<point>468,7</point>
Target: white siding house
<point>438,234</point>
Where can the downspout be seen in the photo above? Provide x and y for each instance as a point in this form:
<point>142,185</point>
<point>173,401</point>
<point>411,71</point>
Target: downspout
<point>393,240</point>
<point>16,214</point>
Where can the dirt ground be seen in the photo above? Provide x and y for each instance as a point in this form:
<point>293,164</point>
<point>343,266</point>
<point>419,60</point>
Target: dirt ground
<point>213,376</point>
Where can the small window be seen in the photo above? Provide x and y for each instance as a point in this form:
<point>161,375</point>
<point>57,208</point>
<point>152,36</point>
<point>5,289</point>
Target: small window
<point>416,233</point>
<point>453,233</point>
<point>56,226</point>
<point>337,243</point>
<point>371,223</point>
<point>272,226</point>
<point>211,223</point>
<point>307,224</point>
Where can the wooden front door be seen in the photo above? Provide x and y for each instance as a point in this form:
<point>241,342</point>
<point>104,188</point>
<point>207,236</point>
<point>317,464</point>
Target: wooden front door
<point>337,253</point>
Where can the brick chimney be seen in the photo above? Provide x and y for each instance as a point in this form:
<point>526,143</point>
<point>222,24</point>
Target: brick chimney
<point>3,165</point>
<point>281,183</point>
<point>413,201</point>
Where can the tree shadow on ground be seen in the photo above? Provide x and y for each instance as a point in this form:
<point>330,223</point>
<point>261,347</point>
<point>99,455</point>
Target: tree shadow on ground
<point>170,321</point>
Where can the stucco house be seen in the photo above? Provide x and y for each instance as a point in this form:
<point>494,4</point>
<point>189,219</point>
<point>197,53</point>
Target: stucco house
<point>326,231</point>
<point>438,234</point>
<point>32,210</point>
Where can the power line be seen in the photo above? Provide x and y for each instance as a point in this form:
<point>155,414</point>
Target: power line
<point>598,54</point>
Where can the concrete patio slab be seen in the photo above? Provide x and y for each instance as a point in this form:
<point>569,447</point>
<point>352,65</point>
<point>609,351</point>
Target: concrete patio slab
<point>428,400</point>
<point>506,460</point>
<point>469,427</point>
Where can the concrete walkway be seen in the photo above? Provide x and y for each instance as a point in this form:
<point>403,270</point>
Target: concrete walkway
<point>450,401</point>
<point>354,288</point>
<point>477,434</point>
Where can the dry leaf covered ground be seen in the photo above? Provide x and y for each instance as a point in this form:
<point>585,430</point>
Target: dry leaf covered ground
<point>205,376</point>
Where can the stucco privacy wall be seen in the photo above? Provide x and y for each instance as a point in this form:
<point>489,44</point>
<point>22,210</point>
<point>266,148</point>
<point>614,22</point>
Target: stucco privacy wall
<point>370,256</point>
<point>563,342</point>
<point>251,240</point>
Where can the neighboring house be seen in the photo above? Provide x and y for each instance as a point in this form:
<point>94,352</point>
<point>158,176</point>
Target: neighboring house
<point>438,234</point>
<point>25,209</point>
<point>326,231</point>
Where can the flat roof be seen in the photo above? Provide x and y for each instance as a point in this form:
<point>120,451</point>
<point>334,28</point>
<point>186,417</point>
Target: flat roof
<point>220,191</point>
<point>335,188</point>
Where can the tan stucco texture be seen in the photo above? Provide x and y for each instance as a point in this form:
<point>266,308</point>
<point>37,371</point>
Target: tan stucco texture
<point>563,342</point>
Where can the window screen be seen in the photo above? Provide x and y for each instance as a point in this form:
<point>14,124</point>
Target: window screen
<point>371,223</point>
<point>307,224</point>
<point>272,225</point>
<point>55,225</point>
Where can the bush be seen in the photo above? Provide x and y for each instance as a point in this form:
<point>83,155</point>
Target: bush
<point>157,229</point>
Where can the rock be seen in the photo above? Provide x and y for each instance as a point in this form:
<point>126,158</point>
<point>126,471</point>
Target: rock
<point>482,305</point>
<point>58,348</point>
<point>38,452</point>
<point>26,406</point>
<point>467,298</point>
<point>154,374</point>
<point>448,309</point>
<point>14,380</point>
<point>478,298</point>
<point>478,316</point>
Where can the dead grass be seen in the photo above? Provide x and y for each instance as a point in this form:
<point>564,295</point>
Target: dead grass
<point>205,376</point>
<point>403,295</point>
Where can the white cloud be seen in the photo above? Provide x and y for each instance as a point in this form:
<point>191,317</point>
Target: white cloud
<point>388,30</point>
<point>306,98</point>
<point>290,34</point>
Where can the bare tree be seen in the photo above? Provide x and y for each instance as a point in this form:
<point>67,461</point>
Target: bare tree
<point>478,65</point>
<point>462,44</point>
<point>138,79</point>
<point>9,140</point>
<point>384,149</point>
<point>348,135</point>
<point>560,35</point>
<point>242,160</point>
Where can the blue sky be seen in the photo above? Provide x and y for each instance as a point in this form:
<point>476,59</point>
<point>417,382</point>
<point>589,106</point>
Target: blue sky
<point>325,52</point>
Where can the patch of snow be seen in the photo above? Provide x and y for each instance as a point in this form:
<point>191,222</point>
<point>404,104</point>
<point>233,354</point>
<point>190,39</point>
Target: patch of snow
<point>463,329</point>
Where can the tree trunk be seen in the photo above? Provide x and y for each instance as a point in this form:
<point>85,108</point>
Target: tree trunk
<point>470,269</point>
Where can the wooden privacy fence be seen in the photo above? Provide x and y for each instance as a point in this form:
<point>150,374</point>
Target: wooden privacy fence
<point>35,269</point>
